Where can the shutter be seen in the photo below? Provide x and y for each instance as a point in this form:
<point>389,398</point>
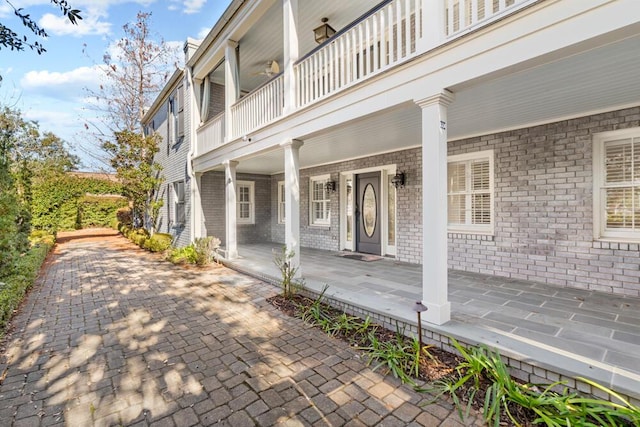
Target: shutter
<point>180,115</point>
<point>480,177</point>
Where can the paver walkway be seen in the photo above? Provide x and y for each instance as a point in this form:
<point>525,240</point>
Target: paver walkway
<point>111,336</point>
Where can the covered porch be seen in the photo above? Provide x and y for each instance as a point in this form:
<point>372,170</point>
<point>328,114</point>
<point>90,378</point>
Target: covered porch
<point>547,332</point>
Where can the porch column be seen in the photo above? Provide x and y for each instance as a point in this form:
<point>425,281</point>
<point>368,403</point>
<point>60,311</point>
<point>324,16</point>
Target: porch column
<point>197,216</point>
<point>231,242</point>
<point>292,199</point>
<point>433,20</point>
<point>231,85</point>
<point>291,52</point>
<point>434,207</point>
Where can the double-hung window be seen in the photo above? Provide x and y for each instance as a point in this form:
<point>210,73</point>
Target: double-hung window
<point>245,202</point>
<point>319,202</point>
<point>616,179</point>
<point>179,206</point>
<point>281,203</point>
<point>470,192</point>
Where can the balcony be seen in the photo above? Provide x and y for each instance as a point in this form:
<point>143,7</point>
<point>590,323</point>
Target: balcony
<point>392,33</point>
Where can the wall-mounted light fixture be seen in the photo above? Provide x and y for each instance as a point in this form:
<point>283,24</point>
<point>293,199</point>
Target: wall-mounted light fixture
<point>330,186</point>
<point>398,180</point>
<point>246,138</point>
<point>323,32</point>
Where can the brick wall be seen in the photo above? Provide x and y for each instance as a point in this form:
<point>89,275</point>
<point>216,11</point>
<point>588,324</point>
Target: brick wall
<point>213,204</point>
<point>544,209</point>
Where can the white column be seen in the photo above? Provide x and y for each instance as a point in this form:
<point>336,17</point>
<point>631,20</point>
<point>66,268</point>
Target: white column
<point>197,216</point>
<point>231,242</point>
<point>291,52</point>
<point>433,24</point>
<point>292,199</point>
<point>434,207</point>
<point>231,85</point>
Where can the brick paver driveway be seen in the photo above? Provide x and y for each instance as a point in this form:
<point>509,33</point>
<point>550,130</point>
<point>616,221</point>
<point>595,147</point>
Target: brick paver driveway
<point>110,335</point>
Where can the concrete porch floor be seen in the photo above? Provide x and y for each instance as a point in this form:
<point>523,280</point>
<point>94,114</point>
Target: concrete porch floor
<point>568,331</point>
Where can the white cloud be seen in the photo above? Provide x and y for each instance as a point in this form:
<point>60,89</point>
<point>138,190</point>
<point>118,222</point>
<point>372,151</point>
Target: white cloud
<point>193,6</point>
<point>188,7</point>
<point>60,25</point>
<point>67,85</point>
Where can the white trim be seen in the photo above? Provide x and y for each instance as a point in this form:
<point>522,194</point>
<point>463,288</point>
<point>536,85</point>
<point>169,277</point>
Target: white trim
<point>385,171</point>
<point>471,228</point>
<point>252,204</point>
<point>312,221</point>
<point>281,203</point>
<point>599,224</point>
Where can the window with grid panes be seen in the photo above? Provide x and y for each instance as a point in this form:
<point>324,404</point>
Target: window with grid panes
<point>319,201</point>
<point>245,202</point>
<point>470,192</point>
<point>617,184</point>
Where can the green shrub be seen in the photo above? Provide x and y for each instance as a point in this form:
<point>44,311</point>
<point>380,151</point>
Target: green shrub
<point>185,255</point>
<point>41,237</point>
<point>205,248</point>
<point>138,236</point>
<point>99,210</point>
<point>14,286</point>
<point>159,242</point>
<point>56,202</point>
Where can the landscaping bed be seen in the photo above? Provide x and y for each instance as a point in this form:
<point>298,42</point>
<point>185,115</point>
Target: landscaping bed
<point>475,378</point>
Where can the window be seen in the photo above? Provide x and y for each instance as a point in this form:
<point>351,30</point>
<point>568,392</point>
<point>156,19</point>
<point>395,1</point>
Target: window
<point>245,201</point>
<point>175,128</point>
<point>178,197</point>
<point>470,192</point>
<point>616,166</point>
<point>281,203</point>
<point>319,203</point>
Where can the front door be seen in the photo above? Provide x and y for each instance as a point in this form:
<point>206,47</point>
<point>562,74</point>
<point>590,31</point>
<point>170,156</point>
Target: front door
<point>368,213</point>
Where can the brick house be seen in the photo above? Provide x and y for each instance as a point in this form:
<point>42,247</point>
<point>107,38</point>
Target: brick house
<point>492,136</point>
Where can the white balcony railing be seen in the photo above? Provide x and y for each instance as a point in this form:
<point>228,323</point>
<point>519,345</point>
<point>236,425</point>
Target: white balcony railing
<point>259,107</point>
<point>210,135</point>
<point>379,41</point>
<point>464,15</point>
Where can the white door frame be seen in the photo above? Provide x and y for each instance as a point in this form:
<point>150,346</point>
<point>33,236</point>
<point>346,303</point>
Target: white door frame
<point>385,172</point>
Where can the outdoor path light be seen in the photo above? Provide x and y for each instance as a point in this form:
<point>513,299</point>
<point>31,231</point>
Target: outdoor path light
<point>419,307</point>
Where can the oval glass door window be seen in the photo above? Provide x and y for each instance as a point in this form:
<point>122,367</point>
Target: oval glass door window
<point>369,210</point>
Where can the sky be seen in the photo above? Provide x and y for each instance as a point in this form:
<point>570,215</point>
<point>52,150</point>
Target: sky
<point>51,88</point>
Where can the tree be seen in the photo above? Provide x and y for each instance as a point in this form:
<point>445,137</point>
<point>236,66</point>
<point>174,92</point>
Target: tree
<point>132,158</point>
<point>10,39</point>
<point>134,75</point>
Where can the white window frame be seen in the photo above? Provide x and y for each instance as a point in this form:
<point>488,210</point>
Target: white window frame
<point>468,158</point>
<point>600,231</point>
<point>179,203</point>
<point>327,201</point>
<point>251,186</point>
<point>281,203</point>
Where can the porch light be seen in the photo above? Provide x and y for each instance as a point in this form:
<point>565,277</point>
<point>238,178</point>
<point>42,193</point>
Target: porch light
<point>323,32</point>
<point>398,180</point>
<point>419,307</point>
<point>330,186</point>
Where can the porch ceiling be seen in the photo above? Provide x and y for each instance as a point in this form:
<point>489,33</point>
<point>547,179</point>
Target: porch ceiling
<point>594,80</point>
<point>264,42</point>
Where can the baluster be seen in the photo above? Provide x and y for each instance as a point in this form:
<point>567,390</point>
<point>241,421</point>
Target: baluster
<point>384,35</point>
<point>376,44</point>
<point>407,27</point>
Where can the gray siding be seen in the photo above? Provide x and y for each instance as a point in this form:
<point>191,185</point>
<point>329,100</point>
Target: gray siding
<point>172,157</point>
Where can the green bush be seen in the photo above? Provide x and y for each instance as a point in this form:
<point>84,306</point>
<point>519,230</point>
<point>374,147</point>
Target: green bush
<point>138,236</point>
<point>41,237</point>
<point>159,242</point>
<point>56,203</point>
<point>185,255</point>
<point>99,211</point>
<point>14,287</point>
